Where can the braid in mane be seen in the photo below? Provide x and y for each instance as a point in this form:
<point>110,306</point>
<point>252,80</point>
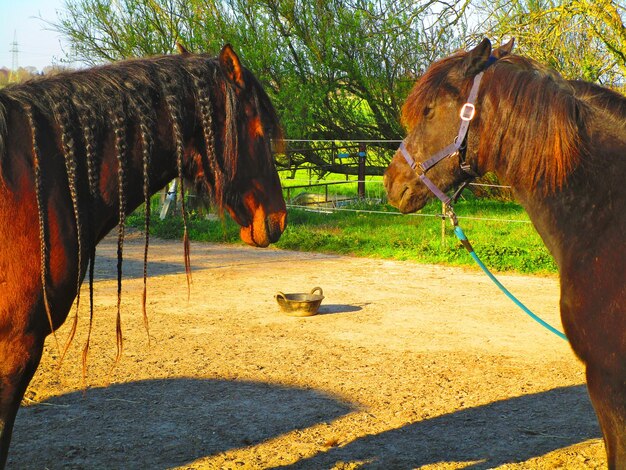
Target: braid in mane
<point>205,107</point>
<point>143,113</point>
<point>62,110</point>
<point>41,214</point>
<point>231,140</point>
<point>119,129</point>
<point>88,125</point>
<point>174,109</point>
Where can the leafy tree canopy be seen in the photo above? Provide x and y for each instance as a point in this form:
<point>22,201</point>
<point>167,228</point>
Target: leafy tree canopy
<point>582,39</point>
<point>340,69</point>
<point>335,69</point>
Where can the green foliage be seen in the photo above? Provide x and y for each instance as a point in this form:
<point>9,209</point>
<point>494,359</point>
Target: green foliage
<point>581,39</point>
<point>342,68</point>
<point>199,228</point>
<point>337,68</point>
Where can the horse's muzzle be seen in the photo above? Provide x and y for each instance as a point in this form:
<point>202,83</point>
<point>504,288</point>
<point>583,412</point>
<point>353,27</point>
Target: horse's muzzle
<point>275,225</point>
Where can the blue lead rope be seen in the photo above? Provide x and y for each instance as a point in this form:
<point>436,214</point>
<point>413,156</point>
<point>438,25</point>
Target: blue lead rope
<point>461,236</point>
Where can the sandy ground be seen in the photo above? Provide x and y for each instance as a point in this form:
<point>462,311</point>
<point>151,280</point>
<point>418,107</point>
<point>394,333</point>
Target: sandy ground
<point>405,366</point>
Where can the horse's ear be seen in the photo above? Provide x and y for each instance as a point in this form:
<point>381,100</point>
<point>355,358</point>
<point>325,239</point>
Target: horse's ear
<point>478,58</point>
<point>231,67</point>
<point>504,49</point>
<point>182,50</point>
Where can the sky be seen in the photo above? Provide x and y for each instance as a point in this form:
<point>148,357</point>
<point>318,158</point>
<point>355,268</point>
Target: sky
<point>37,45</point>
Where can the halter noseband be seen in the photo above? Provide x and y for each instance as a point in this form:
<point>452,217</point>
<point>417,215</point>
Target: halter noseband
<point>458,147</point>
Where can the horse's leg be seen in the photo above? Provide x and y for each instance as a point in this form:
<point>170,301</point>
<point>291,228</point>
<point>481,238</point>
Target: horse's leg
<point>608,394</point>
<point>19,358</point>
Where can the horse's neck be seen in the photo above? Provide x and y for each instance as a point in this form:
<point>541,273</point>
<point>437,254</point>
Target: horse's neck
<point>162,169</point>
<point>586,214</point>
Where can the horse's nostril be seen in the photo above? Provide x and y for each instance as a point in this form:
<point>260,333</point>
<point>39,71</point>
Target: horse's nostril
<point>274,227</point>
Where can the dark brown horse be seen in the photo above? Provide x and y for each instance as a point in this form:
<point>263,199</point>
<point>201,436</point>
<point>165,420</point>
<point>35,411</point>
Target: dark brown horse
<point>81,150</point>
<point>562,147</point>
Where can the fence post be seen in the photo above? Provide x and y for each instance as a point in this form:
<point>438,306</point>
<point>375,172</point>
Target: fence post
<point>443,226</point>
<point>361,183</point>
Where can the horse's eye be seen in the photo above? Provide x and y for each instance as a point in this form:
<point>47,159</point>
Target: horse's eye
<point>428,112</point>
<point>250,112</point>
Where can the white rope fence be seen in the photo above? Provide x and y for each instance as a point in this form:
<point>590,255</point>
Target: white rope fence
<point>329,206</point>
<point>328,210</point>
<point>326,141</point>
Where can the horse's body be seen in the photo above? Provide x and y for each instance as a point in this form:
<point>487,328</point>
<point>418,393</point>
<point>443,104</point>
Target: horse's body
<point>562,147</point>
<point>81,150</point>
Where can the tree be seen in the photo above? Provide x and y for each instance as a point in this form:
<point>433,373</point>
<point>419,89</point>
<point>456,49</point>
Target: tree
<point>582,39</point>
<point>336,69</point>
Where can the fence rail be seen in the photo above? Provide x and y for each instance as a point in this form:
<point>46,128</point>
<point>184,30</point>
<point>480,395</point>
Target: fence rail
<point>362,188</point>
<point>314,202</point>
<point>349,156</point>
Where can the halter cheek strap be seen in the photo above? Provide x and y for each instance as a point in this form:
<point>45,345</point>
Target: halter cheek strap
<point>467,114</point>
<point>429,184</point>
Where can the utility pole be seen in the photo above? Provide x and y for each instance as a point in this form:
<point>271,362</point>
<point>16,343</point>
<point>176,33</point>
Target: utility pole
<point>14,50</point>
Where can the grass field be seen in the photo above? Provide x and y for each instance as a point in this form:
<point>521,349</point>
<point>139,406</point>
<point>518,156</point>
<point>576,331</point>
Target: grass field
<point>499,231</point>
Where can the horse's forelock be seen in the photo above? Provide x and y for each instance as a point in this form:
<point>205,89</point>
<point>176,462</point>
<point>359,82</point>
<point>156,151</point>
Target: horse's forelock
<point>268,112</point>
<point>233,113</point>
<point>426,89</point>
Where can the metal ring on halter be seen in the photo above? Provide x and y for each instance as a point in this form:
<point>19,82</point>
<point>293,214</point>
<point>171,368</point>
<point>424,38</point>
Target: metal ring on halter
<point>467,112</point>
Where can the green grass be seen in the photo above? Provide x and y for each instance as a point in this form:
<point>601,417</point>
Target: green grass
<point>502,245</point>
<point>313,185</point>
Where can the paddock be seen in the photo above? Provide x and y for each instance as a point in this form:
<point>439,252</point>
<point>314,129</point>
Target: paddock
<point>405,366</point>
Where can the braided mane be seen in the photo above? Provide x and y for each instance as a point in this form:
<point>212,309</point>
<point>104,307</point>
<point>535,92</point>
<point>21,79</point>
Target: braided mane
<point>131,104</point>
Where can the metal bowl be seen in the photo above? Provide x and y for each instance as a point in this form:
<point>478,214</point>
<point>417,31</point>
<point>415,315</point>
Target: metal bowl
<point>300,305</point>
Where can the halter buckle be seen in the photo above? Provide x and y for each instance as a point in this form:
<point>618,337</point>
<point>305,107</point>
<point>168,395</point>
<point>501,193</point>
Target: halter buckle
<point>467,112</point>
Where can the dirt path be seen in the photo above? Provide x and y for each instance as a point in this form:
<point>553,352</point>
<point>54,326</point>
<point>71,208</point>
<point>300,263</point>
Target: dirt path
<point>406,366</point>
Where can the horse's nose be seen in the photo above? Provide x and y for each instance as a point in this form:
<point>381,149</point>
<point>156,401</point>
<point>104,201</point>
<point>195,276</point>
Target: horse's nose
<point>275,225</point>
<point>394,192</point>
<point>385,180</point>
<point>389,178</point>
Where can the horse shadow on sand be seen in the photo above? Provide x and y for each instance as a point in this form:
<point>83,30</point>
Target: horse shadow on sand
<point>160,424</point>
<point>163,423</point>
<point>508,431</point>
<point>219,258</point>
<point>106,268</point>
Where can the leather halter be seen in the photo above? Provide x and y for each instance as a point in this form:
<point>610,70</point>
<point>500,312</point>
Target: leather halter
<point>458,147</point>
